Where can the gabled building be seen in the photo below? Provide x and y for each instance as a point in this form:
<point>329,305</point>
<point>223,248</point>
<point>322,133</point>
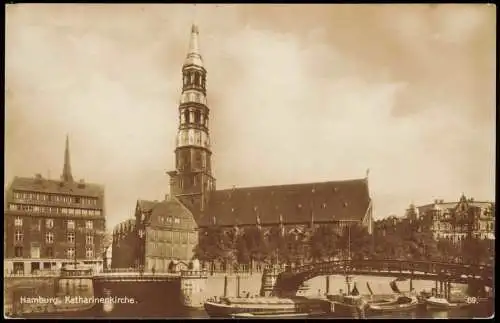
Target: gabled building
<point>48,223</point>
<point>169,229</point>
<point>456,221</point>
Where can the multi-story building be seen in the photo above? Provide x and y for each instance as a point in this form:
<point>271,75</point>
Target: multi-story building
<point>51,222</point>
<point>456,221</point>
<point>167,229</point>
<point>124,244</point>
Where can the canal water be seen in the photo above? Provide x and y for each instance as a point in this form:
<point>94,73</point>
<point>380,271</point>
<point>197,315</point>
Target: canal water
<point>164,302</point>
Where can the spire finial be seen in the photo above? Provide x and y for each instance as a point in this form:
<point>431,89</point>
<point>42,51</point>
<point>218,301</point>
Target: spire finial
<point>66,175</point>
<point>193,55</point>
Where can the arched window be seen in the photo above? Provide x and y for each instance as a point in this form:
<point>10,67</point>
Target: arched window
<point>197,116</point>
<point>186,116</point>
<point>196,78</point>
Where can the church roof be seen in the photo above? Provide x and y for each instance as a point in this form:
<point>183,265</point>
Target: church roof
<point>43,185</point>
<point>297,203</point>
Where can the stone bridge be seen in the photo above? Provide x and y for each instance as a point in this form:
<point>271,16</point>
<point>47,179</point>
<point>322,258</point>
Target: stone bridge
<point>289,281</point>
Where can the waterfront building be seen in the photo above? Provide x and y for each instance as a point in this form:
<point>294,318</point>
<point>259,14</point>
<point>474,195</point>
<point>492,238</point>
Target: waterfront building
<point>124,244</point>
<point>171,228</point>
<point>455,221</point>
<point>48,223</point>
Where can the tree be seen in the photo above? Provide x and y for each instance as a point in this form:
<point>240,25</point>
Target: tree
<point>475,250</point>
<point>357,239</point>
<point>323,243</point>
<point>447,250</point>
<point>277,246</point>
<point>210,246</point>
<point>256,244</point>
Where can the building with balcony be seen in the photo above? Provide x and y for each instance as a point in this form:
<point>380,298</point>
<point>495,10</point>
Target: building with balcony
<point>455,221</point>
<point>49,223</point>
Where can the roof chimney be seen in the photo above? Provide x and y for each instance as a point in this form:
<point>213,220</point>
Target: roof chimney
<point>81,184</point>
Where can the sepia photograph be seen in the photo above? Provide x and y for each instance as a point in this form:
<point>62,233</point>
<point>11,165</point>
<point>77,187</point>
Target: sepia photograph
<point>249,161</point>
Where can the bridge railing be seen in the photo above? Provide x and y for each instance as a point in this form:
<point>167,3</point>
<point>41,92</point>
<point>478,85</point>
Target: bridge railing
<point>194,273</point>
<point>394,265</point>
<point>120,270</point>
<point>45,273</point>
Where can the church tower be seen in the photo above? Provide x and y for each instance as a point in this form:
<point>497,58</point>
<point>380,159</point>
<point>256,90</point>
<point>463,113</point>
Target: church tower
<point>192,177</point>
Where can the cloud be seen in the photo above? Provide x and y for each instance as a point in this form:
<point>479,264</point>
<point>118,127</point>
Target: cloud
<point>291,100</point>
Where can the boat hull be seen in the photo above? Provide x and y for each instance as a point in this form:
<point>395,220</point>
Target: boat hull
<point>220,310</point>
<point>442,304</point>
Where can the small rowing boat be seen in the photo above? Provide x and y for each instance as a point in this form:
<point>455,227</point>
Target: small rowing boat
<point>401,304</point>
<point>441,303</point>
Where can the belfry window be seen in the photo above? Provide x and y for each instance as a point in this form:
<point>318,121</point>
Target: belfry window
<point>186,116</point>
<point>196,78</point>
<point>192,78</point>
<point>197,117</point>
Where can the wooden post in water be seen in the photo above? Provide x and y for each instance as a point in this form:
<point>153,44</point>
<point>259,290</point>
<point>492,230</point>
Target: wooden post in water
<point>238,286</point>
<point>327,285</point>
<point>225,285</point>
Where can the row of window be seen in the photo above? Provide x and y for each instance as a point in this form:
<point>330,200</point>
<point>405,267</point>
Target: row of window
<point>174,236</point>
<point>49,223</point>
<point>195,117</point>
<point>49,237</point>
<point>53,210</point>
<point>167,250</point>
<point>476,227</point>
<point>55,198</point>
<point>194,78</point>
<point>49,252</point>
<point>170,219</point>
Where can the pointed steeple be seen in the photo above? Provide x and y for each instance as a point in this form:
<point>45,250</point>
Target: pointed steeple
<point>66,175</point>
<point>193,56</point>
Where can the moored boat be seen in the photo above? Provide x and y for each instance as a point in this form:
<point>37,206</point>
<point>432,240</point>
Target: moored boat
<point>264,315</point>
<point>348,306</point>
<point>401,304</point>
<point>441,303</point>
<point>228,306</point>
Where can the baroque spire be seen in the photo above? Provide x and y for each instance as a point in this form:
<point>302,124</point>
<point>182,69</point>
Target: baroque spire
<point>66,175</point>
<point>193,56</point>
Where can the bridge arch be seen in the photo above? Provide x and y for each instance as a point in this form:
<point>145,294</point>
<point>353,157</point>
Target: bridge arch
<point>288,282</point>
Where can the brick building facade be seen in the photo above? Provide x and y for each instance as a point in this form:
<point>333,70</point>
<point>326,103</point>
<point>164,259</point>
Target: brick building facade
<point>48,222</point>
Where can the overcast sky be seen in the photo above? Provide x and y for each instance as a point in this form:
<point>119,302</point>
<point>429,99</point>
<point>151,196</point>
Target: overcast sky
<point>298,93</point>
